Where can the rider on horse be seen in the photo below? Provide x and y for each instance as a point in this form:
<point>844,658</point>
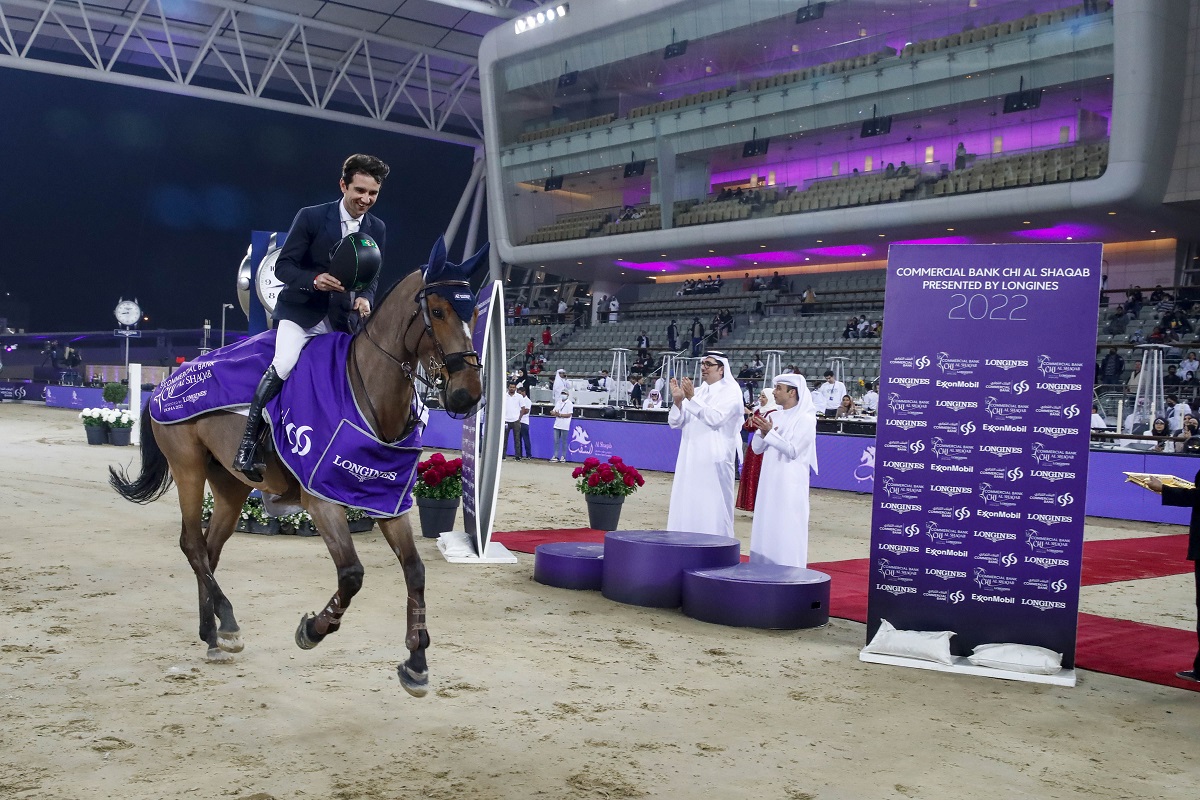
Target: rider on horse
<point>318,254</point>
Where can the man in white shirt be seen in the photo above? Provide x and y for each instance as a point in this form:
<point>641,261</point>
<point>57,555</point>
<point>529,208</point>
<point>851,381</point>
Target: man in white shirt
<point>523,421</point>
<point>512,418</point>
<point>870,400</point>
<point>710,418</point>
<point>563,410</point>
<point>1188,367</point>
<point>829,394</point>
<point>1176,411</point>
<point>613,308</point>
<point>562,311</point>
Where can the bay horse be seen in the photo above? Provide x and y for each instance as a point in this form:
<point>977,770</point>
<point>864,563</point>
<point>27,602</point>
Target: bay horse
<point>415,324</point>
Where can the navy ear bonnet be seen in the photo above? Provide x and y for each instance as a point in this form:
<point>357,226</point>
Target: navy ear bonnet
<point>439,269</point>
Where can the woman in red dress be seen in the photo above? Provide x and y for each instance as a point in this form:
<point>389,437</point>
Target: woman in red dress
<point>752,462</point>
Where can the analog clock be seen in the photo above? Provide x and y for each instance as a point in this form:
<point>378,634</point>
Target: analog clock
<point>266,284</point>
<point>128,312</point>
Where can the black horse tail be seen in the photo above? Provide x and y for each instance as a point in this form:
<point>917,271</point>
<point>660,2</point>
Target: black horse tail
<point>155,479</point>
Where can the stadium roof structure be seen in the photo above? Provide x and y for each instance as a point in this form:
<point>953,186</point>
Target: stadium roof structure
<point>409,66</point>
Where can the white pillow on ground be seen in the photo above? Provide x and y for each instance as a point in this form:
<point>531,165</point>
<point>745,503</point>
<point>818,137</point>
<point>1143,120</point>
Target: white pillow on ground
<point>925,645</point>
<point>1017,658</point>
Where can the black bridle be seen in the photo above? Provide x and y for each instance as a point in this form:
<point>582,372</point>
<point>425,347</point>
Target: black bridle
<point>441,360</point>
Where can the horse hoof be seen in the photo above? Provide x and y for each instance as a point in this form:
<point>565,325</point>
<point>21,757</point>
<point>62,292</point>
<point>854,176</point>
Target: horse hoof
<point>415,683</point>
<point>302,638</point>
<point>218,656</point>
<point>230,642</point>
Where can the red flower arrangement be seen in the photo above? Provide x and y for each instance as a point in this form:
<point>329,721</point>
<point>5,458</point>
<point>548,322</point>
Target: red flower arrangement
<point>615,478</point>
<point>439,478</point>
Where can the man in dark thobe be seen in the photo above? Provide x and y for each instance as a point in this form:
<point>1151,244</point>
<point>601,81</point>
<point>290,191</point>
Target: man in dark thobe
<point>1189,498</point>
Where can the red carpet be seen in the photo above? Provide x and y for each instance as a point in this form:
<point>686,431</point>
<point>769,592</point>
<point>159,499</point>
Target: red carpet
<point>1149,653</point>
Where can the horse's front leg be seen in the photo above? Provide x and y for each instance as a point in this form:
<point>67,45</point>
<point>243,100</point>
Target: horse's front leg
<point>331,523</point>
<point>414,672</point>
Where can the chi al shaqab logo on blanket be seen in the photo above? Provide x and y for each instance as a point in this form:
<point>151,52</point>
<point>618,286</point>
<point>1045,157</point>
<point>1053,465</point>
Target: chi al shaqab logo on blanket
<point>297,436</point>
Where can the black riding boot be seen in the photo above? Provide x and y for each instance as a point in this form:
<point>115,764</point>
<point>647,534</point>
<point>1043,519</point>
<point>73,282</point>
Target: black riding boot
<point>247,461</point>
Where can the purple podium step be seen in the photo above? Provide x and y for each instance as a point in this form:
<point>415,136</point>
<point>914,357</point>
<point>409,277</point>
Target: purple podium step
<point>757,596</point>
<point>569,565</point>
<point>645,568</point>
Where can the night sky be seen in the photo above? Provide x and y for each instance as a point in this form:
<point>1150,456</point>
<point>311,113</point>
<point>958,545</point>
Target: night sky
<point>110,192</point>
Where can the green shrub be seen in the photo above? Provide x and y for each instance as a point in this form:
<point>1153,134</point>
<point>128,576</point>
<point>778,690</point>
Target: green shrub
<point>115,393</point>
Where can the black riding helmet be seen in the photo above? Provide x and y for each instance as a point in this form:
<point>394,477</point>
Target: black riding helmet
<point>355,261</point>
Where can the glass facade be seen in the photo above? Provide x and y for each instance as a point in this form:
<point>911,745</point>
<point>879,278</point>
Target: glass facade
<point>660,121</point>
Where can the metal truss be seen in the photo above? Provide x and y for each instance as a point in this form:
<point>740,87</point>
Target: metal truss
<point>258,56</point>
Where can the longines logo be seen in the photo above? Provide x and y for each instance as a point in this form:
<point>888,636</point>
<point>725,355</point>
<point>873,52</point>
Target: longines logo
<point>946,574</point>
<point>1047,563</point>
<point>1052,475</point>
<point>1049,519</point>
<point>360,471</point>
<point>907,424</point>
<point>895,590</point>
<point>1060,388</point>
<point>1042,605</point>
<point>1000,450</point>
<point>957,405</point>
<point>996,536</point>
<point>1055,432</point>
<point>1005,363</point>
<point>950,491</point>
<point>900,508</point>
<point>903,466</point>
<point>909,383</point>
<point>900,549</point>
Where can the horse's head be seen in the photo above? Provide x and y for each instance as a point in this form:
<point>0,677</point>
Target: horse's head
<point>448,307</point>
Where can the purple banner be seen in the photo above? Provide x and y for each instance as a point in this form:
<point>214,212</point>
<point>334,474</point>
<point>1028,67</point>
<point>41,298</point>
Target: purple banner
<point>75,397</point>
<point>982,446</point>
<point>22,391</point>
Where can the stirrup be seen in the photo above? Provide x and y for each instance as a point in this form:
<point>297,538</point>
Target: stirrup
<point>246,461</point>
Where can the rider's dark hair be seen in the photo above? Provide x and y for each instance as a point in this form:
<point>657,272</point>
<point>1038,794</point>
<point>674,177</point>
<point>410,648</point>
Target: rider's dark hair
<point>368,165</point>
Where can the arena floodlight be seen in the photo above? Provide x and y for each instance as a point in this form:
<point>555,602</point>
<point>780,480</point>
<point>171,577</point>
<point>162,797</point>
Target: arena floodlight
<point>540,18</point>
<point>810,12</point>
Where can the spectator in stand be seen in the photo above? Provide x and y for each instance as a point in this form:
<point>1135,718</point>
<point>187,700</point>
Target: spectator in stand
<point>759,284</point>
<point>673,336</point>
<point>614,308</point>
<point>1098,422</point>
<point>870,398</point>
<point>747,283</point>
<point>851,329</point>
<point>808,301</point>
<point>903,170</point>
<point>863,326</point>
<point>1188,367</point>
<point>635,394</point>
<point>602,309</point>
<point>643,345</point>
<point>1159,429</point>
<point>846,407</point>
<point>1118,321</point>
<point>717,283</point>
<point>653,400</point>
<point>960,156</point>
<point>1176,411</point>
<point>1190,437</point>
<point>874,330</point>
<point>1134,302</point>
<point>579,311</point>
<point>828,395</point>
<point>1172,376</point>
<point>1112,367</point>
<point>756,365</point>
<point>529,348</point>
<point>547,337</point>
<point>1157,336</point>
<point>697,336</point>
<point>890,171</point>
<point>525,380</point>
<point>776,282</point>
<point>1134,377</point>
<point>562,314</point>
<point>525,315</point>
<point>1177,325</point>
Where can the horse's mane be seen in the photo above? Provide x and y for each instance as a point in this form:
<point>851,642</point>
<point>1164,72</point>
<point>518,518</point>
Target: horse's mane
<point>383,297</point>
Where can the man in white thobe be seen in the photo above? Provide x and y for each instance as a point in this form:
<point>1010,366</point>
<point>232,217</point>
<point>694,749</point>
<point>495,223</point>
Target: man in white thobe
<point>787,441</point>
<point>710,417</point>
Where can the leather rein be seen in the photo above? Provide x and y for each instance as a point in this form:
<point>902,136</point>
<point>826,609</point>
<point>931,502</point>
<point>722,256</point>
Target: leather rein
<point>451,362</point>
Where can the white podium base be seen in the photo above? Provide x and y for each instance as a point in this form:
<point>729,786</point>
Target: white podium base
<point>1064,677</point>
<point>456,547</point>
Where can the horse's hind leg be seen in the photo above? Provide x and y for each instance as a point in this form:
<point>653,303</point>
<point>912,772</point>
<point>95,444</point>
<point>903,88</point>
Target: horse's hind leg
<point>189,479</point>
<point>414,672</point>
<point>229,494</point>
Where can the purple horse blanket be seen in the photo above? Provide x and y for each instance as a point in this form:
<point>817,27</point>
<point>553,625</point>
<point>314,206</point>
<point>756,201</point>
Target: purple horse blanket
<point>319,432</point>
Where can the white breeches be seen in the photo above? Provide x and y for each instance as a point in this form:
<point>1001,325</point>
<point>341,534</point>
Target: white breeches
<point>289,341</point>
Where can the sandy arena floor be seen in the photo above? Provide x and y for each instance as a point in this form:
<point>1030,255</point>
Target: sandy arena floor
<point>536,692</point>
